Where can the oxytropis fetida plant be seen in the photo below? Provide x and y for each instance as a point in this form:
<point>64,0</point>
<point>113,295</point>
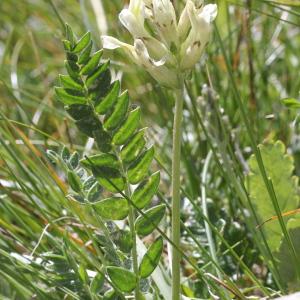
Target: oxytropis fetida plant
<point>104,182</point>
<point>168,48</point>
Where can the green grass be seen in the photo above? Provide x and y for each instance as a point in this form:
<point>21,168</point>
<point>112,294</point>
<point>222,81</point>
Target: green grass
<point>232,103</point>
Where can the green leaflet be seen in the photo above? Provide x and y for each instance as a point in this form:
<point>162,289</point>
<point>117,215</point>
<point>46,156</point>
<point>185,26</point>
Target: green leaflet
<point>95,80</point>
<point>89,125</point>
<point>139,168</point>
<point>72,69</point>
<point>85,55</point>
<point>108,101</point>
<point>74,181</point>
<point>291,103</point>
<point>134,147</point>
<point>103,140</point>
<point>89,68</point>
<point>82,43</point>
<point>77,111</point>
<point>97,283</point>
<point>114,119</point>
<point>110,178</point>
<point>122,278</point>
<point>83,274</point>
<point>114,208</point>
<point>69,83</point>
<point>145,225</point>
<point>146,190</point>
<point>151,258</point>
<point>68,96</point>
<point>127,128</point>
<point>101,160</point>
<point>279,167</point>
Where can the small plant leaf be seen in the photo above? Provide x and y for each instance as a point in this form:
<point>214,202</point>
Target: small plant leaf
<point>114,208</point>
<point>67,98</point>
<point>101,160</point>
<point>146,190</point>
<point>122,278</point>
<point>89,125</point>
<point>74,160</point>
<point>79,111</point>
<point>95,80</point>
<point>291,103</point>
<point>74,181</point>
<point>108,101</point>
<point>97,283</point>
<point>119,112</point>
<point>69,83</point>
<point>134,147</point>
<point>151,258</point>
<point>85,55</point>
<point>110,178</point>
<point>279,167</point>
<point>139,169</point>
<point>82,43</point>
<point>144,225</point>
<point>89,68</point>
<point>127,128</point>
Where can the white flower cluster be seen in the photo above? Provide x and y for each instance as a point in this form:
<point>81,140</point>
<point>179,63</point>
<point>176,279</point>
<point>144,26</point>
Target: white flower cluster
<point>167,47</point>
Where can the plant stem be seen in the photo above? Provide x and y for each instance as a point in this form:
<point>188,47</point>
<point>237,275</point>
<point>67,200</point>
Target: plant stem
<point>131,219</point>
<point>176,257</point>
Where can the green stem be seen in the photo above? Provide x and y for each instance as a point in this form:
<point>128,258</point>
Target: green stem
<point>176,257</point>
<point>131,219</point>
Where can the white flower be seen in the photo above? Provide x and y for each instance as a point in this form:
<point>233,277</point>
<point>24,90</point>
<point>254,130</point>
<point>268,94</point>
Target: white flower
<point>156,69</point>
<point>199,36</point>
<point>172,47</point>
<point>165,19</point>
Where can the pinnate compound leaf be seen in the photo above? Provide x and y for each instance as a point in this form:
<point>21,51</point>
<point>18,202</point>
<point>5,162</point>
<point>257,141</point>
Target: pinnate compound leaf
<point>114,208</point>
<point>122,278</point>
<point>279,167</point>
<point>151,258</point>
<point>144,225</point>
<point>146,190</point>
<point>127,129</point>
<point>139,169</point>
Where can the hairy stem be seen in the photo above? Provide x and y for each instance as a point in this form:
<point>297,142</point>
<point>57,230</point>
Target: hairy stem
<point>176,257</point>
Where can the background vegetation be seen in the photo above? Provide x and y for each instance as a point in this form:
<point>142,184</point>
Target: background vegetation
<point>233,102</point>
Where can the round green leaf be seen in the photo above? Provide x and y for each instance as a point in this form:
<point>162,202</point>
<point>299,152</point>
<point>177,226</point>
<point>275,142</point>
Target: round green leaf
<point>122,278</point>
<point>151,258</point>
